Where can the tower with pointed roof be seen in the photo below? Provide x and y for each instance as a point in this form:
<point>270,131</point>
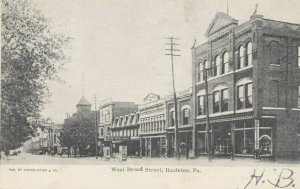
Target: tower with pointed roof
<point>83,105</point>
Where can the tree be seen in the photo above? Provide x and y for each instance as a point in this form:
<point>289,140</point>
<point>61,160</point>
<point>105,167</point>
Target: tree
<point>79,132</point>
<point>31,55</point>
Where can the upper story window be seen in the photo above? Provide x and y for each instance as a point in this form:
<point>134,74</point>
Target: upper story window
<point>299,96</point>
<point>216,101</point>
<point>225,65</point>
<point>201,106</point>
<point>241,60</point>
<point>244,94</point>
<point>186,116</point>
<point>172,118</point>
<point>298,56</point>
<point>274,93</point>
<point>248,54</point>
<point>217,66</point>
<point>224,100</point>
<point>200,71</point>
<point>220,99</point>
<point>274,53</point>
<point>248,92</point>
<point>240,97</point>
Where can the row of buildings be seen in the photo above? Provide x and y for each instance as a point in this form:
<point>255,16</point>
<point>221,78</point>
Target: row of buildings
<point>253,80</point>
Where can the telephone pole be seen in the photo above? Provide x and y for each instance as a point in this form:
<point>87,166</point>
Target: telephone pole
<point>208,136</point>
<point>96,127</point>
<point>171,53</point>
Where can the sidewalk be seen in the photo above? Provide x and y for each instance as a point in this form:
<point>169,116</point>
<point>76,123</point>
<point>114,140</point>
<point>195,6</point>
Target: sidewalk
<point>201,161</point>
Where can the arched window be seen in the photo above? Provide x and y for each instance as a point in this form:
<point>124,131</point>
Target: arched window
<point>201,74</point>
<point>298,56</point>
<point>225,60</point>
<point>201,108</point>
<point>274,93</point>
<point>244,93</point>
<point>186,116</point>
<point>274,53</point>
<point>249,54</point>
<point>241,60</point>
<point>224,100</point>
<point>172,118</point>
<point>299,96</point>
<point>217,66</point>
<point>220,98</point>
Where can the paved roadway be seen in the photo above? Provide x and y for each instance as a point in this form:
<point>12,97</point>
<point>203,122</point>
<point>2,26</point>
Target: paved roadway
<point>26,158</point>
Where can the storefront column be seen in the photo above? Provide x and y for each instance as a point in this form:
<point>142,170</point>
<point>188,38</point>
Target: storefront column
<point>256,138</point>
<point>141,147</point>
<point>194,139</point>
<point>150,149</point>
<point>212,142</point>
<point>146,147</point>
<point>233,140</point>
<point>160,146</point>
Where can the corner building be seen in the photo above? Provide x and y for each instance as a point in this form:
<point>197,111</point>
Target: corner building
<point>253,73</point>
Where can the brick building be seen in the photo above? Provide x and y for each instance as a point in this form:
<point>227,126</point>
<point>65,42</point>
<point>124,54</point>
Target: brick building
<point>185,127</point>
<point>253,72</point>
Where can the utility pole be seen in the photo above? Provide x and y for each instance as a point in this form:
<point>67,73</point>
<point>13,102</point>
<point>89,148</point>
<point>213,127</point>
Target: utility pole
<point>208,141</point>
<point>171,50</point>
<point>96,127</point>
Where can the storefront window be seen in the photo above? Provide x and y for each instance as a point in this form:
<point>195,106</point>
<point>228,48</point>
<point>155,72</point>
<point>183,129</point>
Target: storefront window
<point>222,139</point>
<point>244,138</point>
<point>265,142</point>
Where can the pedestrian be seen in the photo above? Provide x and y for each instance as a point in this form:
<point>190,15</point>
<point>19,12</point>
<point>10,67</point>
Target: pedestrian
<point>68,151</point>
<point>77,151</point>
<point>2,155</point>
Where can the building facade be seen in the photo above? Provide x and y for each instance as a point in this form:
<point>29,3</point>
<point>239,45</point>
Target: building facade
<point>125,132</point>
<point>185,128</point>
<point>110,109</point>
<point>84,112</point>
<point>153,126</point>
<point>253,76</point>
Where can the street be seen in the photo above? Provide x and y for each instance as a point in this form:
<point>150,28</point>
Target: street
<point>27,158</point>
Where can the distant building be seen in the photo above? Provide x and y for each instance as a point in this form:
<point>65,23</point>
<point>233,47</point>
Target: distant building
<point>108,111</point>
<point>125,131</point>
<point>84,108</point>
<point>253,86</point>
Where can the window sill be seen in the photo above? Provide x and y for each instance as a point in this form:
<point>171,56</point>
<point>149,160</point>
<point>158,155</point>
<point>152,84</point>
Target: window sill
<point>275,65</point>
<point>273,108</point>
<point>215,114</point>
<point>244,110</point>
<point>244,68</point>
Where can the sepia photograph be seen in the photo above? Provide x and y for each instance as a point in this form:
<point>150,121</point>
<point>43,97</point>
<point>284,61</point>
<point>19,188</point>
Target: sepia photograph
<point>150,94</point>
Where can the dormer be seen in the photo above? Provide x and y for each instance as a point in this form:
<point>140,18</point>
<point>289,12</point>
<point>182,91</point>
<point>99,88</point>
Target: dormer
<point>220,22</point>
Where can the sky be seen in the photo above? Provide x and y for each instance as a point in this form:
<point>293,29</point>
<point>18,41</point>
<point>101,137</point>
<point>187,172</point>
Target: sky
<point>119,46</point>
